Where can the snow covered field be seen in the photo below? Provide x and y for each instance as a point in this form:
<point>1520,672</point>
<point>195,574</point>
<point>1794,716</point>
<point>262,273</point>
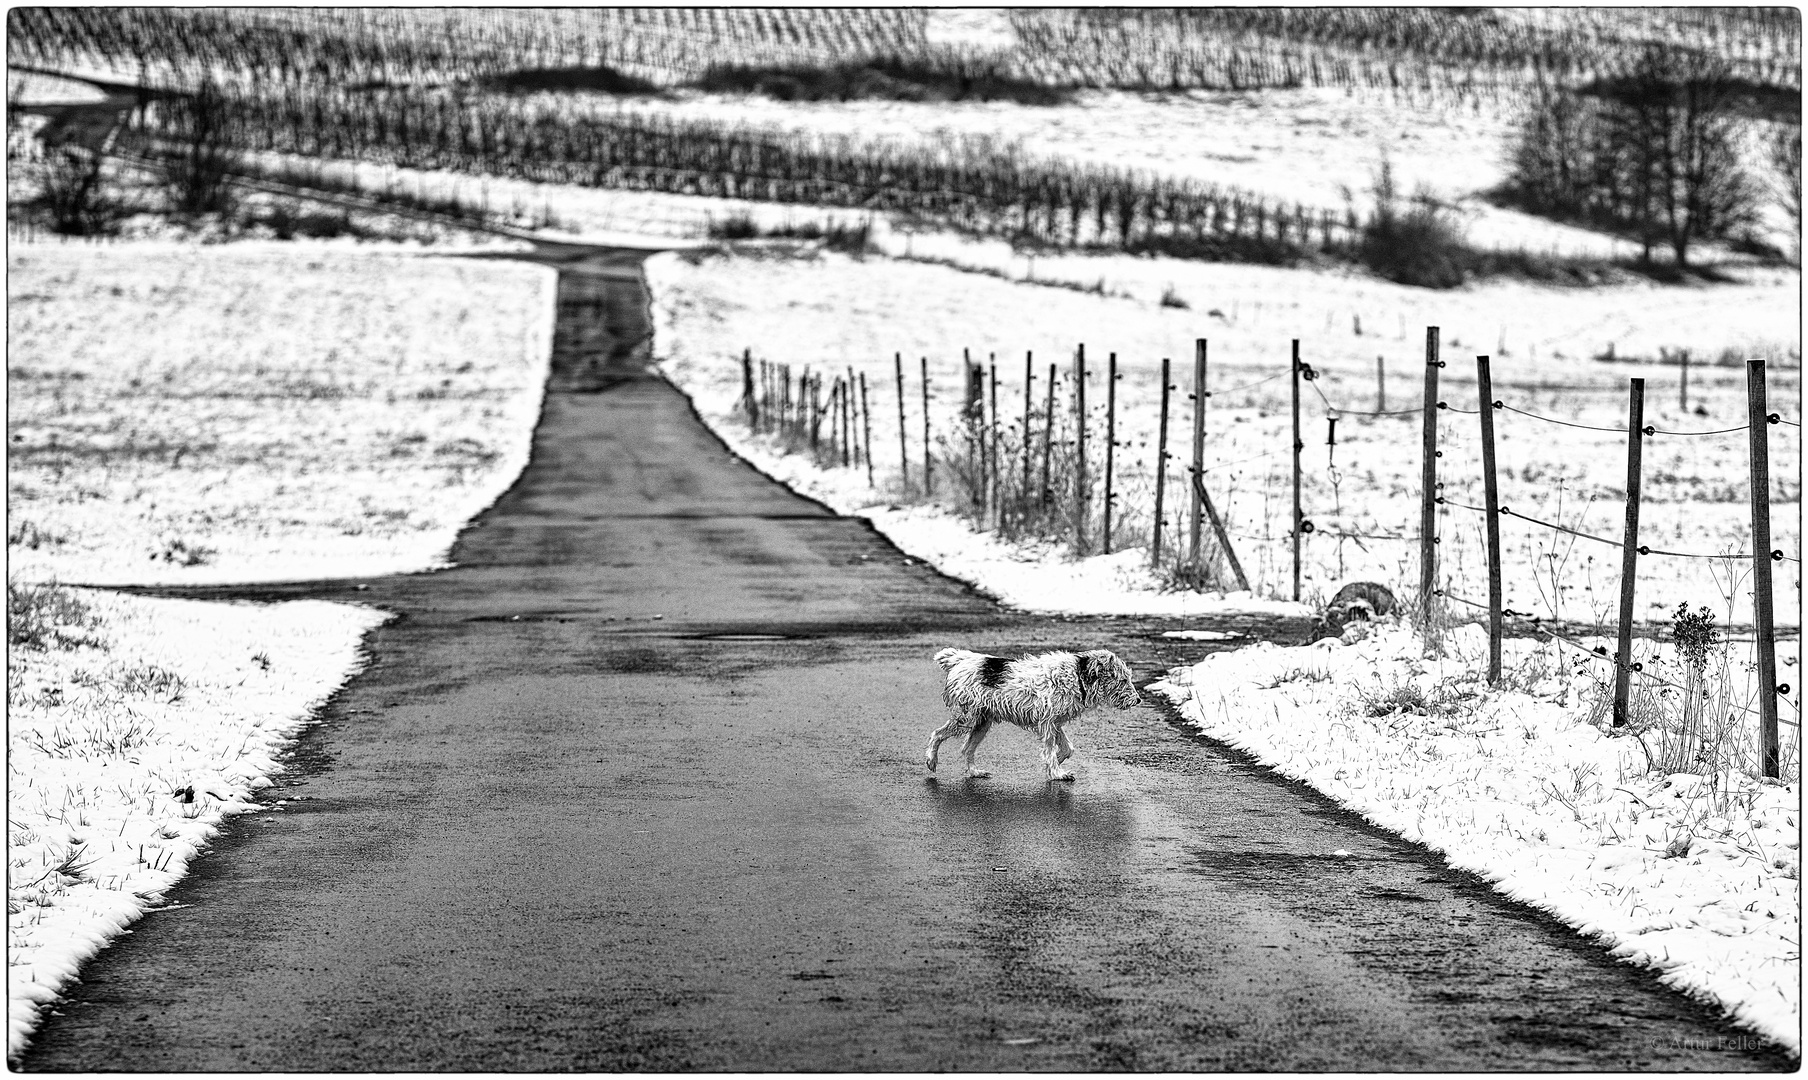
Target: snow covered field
<point>261,412</point>
<point>1696,875</point>
<point>832,312</point>
<point>188,414</point>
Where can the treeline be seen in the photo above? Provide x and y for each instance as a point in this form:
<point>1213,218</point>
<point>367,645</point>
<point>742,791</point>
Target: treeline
<point>1655,154</point>
<point>973,185</point>
<point>353,47</point>
<point>1466,53</point>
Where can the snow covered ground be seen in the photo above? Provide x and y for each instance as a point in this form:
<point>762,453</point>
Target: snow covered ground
<point>259,412</point>
<point>125,754</point>
<point>186,414</point>
<point>1695,875</point>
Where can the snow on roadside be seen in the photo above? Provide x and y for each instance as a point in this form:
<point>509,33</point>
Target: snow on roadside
<point>184,698</point>
<point>1694,876</point>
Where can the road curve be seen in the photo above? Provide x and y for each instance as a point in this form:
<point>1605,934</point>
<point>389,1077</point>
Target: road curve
<point>638,785</point>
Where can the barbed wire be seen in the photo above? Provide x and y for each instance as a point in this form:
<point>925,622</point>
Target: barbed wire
<point>1642,549</point>
<point>1237,389</point>
<point>1600,652</point>
<point>1651,430</point>
<point>1366,536</point>
<point>1565,423</point>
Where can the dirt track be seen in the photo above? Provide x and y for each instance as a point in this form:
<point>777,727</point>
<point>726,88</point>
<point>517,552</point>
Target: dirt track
<point>638,785</point>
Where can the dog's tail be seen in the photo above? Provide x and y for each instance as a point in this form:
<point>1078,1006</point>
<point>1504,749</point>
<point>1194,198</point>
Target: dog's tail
<point>950,657</point>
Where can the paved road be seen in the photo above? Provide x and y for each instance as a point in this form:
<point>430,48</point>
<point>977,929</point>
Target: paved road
<point>639,786</point>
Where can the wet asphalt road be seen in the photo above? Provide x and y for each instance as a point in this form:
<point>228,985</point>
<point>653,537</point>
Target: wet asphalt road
<point>639,785</point>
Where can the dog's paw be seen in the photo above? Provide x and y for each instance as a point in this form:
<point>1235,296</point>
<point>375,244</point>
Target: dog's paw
<point>978,774</point>
<point>1060,774</point>
<point>929,759</point>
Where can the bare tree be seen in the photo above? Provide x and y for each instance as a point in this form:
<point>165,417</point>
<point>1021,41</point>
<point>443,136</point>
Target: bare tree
<point>1652,154</point>
<point>200,166</point>
<point>1786,159</point>
<point>1675,130</point>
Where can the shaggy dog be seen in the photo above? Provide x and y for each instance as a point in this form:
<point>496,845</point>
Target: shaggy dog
<point>1040,693</point>
<point>1359,601</point>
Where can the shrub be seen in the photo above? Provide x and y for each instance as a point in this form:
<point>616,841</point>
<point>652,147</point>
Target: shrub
<point>1418,246</point>
<point>39,617</point>
<point>75,194</point>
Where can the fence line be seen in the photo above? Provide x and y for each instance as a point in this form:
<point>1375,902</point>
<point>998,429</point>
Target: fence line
<point>1062,501</point>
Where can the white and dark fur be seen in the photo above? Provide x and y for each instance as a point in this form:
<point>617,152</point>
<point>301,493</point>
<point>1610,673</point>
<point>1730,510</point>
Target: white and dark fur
<point>1041,693</point>
<point>1359,601</point>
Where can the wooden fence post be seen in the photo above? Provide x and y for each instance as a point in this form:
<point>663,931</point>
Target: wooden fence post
<point>1758,417</point>
<point>1161,466</point>
<point>748,400</point>
<point>1685,380</point>
<point>853,413</point>
<point>1048,437</point>
<point>973,418</point>
<point>1079,506</point>
<point>1029,378</point>
<point>1428,480</point>
<point>1484,383</point>
<point>992,478</point>
<point>866,417</point>
<point>784,404</point>
<point>1230,554</point>
<point>1198,450</point>
<point>1110,441</point>
<point>812,407</point>
<point>847,422</point>
<point>765,396</point>
<point>1298,446</point>
<point>1635,445</point>
<point>897,360</point>
<point>928,466</point>
<point>1380,384</point>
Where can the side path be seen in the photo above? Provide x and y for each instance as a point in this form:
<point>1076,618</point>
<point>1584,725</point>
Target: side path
<point>638,785</point>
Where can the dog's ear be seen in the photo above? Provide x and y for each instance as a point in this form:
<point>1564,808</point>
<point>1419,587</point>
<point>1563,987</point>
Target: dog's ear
<point>1094,667</point>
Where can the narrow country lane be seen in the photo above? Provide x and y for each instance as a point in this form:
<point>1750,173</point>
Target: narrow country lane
<point>638,785</point>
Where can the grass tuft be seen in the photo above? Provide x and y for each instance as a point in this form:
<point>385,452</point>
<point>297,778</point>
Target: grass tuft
<point>42,617</point>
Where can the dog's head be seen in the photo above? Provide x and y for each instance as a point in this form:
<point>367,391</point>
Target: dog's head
<point>1107,680</point>
<point>1338,616</point>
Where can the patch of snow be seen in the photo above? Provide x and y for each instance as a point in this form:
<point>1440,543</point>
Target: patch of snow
<point>123,762</point>
<point>1694,876</point>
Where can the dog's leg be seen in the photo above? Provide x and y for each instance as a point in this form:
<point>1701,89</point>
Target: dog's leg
<point>982,725</point>
<point>947,731</point>
<point>1055,749</point>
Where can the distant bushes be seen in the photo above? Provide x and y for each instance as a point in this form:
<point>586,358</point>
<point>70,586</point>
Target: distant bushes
<point>883,80</point>
<point>599,79</point>
<point>837,236</point>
